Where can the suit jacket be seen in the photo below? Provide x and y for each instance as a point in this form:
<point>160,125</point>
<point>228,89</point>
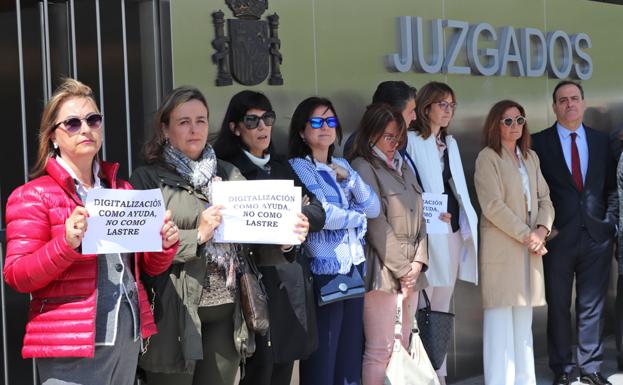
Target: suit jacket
<point>595,207</point>
<point>504,224</point>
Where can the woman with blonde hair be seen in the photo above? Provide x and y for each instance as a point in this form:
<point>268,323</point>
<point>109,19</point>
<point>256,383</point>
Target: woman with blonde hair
<point>202,335</point>
<point>87,312</point>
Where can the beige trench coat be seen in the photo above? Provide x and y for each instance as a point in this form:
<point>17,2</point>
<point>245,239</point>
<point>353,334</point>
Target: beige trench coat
<point>504,224</point>
<point>397,236</point>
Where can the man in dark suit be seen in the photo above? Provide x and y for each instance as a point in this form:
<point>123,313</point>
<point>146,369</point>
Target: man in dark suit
<point>580,169</point>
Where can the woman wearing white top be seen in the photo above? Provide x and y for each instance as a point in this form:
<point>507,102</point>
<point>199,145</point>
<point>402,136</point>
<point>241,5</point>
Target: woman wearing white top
<point>438,163</point>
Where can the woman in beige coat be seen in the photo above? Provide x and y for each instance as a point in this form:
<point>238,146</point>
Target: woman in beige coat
<point>517,215</point>
<point>396,249</point>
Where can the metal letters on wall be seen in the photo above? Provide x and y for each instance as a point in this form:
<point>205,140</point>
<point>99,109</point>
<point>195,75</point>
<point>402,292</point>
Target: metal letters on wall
<point>251,50</point>
<point>488,52</point>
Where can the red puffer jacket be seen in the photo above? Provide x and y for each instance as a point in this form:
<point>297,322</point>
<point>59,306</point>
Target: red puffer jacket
<point>61,280</point>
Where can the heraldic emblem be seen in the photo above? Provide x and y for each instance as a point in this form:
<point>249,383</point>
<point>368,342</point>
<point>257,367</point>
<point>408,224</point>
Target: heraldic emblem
<point>251,50</point>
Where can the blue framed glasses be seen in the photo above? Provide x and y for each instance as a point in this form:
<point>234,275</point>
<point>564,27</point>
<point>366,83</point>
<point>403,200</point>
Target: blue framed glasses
<point>319,122</point>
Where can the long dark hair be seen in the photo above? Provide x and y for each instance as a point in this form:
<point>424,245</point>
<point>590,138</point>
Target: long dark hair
<point>297,146</point>
<point>152,151</point>
<point>371,128</point>
<point>491,135</point>
<point>227,145</point>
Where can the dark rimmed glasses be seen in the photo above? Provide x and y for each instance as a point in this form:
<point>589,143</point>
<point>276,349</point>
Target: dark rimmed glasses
<point>252,121</point>
<point>74,123</point>
<point>319,122</point>
<point>508,122</point>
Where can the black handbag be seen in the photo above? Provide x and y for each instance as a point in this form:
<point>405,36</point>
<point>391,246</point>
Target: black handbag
<point>339,287</point>
<point>435,331</point>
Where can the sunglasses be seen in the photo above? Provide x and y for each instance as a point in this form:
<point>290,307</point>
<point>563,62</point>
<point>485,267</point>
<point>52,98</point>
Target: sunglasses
<point>319,122</point>
<point>252,121</point>
<point>73,124</point>
<point>446,106</point>
<point>508,122</point>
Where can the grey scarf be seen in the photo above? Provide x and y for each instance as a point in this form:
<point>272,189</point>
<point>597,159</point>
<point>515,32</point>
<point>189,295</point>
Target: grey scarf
<point>200,174</point>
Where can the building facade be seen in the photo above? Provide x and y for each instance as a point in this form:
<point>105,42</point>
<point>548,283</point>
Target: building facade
<point>132,52</point>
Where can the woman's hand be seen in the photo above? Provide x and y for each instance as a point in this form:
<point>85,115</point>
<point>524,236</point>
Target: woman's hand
<point>209,220</point>
<point>340,172</point>
<point>301,227</point>
<point>445,217</point>
<point>535,240</point>
<point>76,226</point>
<point>169,232</point>
<point>407,282</point>
<point>539,252</point>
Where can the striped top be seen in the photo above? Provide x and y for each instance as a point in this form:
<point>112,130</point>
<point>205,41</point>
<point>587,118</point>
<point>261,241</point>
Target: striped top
<point>347,204</point>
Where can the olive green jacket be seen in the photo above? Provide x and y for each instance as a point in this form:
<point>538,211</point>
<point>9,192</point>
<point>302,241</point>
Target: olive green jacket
<point>176,293</point>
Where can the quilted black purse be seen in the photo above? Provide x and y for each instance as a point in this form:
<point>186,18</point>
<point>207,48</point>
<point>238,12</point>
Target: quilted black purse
<point>436,329</point>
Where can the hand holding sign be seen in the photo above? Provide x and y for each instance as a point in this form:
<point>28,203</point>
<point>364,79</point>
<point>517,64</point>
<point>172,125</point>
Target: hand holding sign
<point>76,227</point>
<point>170,233</point>
<point>209,220</point>
<point>301,228</point>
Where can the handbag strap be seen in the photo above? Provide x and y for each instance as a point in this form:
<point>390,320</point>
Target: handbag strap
<point>398,321</point>
<point>426,300</point>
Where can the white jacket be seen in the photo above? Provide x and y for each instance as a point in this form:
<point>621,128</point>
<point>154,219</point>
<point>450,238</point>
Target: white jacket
<point>426,158</point>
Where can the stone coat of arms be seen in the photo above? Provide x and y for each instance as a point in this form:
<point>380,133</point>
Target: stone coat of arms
<point>251,51</point>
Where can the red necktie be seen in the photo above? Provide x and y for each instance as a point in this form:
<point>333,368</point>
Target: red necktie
<point>576,173</point>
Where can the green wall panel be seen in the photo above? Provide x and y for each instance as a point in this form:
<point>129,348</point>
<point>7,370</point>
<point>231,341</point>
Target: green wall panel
<point>336,48</point>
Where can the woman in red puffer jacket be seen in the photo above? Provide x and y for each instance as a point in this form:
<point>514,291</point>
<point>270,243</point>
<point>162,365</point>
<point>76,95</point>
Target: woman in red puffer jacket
<point>88,312</point>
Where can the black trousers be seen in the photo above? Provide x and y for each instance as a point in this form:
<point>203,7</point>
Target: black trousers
<point>261,369</point>
<point>589,262</point>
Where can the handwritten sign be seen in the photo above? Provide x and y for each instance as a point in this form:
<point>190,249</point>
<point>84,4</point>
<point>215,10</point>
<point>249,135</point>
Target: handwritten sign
<point>123,221</point>
<point>435,205</point>
<point>259,211</point>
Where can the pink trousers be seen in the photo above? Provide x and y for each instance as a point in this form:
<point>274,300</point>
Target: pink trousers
<point>379,314</point>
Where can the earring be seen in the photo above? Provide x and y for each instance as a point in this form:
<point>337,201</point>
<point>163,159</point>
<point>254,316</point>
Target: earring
<point>55,145</point>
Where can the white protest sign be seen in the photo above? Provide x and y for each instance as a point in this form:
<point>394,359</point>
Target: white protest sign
<point>259,211</point>
<point>435,205</point>
<point>123,221</point>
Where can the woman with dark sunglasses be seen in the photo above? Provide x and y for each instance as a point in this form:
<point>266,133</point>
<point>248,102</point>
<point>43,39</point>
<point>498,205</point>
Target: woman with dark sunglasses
<point>87,312</point>
<point>436,157</point>
<point>336,252</point>
<point>517,214</point>
<point>245,141</point>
